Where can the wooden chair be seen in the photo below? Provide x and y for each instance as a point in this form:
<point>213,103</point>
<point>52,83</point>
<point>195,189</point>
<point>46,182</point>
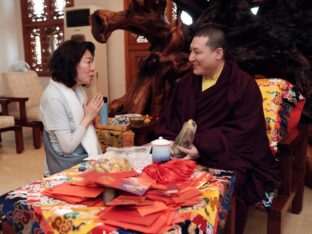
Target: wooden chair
<point>7,123</point>
<point>281,102</point>
<point>24,90</point>
<point>292,153</point>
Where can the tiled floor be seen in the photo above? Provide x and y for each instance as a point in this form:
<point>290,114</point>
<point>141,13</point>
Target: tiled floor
<point>293,224</point>
<point>19,169</point>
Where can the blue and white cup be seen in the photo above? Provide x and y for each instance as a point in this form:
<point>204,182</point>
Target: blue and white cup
<point>160,150</point>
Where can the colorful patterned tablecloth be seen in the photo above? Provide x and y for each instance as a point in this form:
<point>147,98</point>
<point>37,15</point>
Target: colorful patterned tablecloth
<point>29,211</point>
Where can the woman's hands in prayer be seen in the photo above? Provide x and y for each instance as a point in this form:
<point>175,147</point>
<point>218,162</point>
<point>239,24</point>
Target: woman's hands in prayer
<point>92,109</point>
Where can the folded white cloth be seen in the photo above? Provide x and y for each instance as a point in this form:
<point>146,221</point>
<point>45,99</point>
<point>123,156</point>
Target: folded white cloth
<point>75,98</point>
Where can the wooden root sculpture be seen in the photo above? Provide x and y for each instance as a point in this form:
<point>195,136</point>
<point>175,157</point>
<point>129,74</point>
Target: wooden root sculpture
<point>166,61</point>
<point>275,43</point>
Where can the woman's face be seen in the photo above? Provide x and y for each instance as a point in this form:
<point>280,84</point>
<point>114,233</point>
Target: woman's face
<point>85,69</point>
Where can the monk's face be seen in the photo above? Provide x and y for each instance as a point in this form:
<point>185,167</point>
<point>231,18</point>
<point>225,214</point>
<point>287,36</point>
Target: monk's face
<point>204,60</point>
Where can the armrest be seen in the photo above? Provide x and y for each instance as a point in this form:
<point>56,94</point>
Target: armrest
<point>15,99</point>
<point>4,106</point>
<point>22,105</point>
<point>292,151</point>
<point>293,138</point>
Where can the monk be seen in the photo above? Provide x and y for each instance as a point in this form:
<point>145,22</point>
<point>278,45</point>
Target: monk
<point>226,104</point>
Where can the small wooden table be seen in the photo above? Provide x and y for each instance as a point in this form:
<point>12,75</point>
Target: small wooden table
<point>144,133</point>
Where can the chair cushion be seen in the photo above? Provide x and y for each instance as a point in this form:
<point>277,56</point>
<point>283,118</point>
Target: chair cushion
<point>6,121</point>
<point>34,113</point>
<point>22,84</point>
<point>279,99</point>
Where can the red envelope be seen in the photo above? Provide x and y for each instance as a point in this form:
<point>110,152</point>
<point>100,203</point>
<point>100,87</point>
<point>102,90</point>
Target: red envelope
<point>130,200</point>
<point>192,201</point>
<point>128,215</point>
<point>158,197</point>
<point>170,221</point>
<point>97,202</point>
<point>166,187</point>
<point>200,177</point>
<point>135,185</point>
<point>69,199</point>
<point>159,186</point>
<point>91,176</point>
<point>179,217</point>
<point>183,197</point>
<point>147,210</point>
<point>85,183</point>
<point>159,223</point>
<point>73,190</point>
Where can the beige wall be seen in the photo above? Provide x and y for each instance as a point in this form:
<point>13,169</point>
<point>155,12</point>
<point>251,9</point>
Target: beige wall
<point>115,49</point>
<point>11,43</point>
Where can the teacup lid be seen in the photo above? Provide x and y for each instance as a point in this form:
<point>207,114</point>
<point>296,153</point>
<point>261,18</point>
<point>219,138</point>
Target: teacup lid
<point>160,141</point>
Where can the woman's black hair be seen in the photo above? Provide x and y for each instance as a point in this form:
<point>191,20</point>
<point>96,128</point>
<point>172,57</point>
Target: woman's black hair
<point>65,59</point>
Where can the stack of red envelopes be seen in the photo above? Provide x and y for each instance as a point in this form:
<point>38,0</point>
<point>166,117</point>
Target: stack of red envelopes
<point>75,194</point>
<point>139,214</point>
<point>186,196</point>
<point>93,184</point>
<point>137,185</point>
<point>155,212</point>
<point>90,177</point>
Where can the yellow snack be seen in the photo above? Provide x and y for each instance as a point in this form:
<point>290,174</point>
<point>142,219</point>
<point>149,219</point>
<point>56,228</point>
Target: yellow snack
<point>111,165</point>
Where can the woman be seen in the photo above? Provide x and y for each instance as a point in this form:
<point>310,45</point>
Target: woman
<point>69,135</point>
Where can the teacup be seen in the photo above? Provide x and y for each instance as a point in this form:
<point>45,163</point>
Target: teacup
<point>160,150</point>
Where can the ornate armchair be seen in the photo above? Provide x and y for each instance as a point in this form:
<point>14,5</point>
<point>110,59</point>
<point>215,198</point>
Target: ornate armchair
<point>282,106</point>
<point>7,123</point>
<point>289,137</point>
<point>24,90</point>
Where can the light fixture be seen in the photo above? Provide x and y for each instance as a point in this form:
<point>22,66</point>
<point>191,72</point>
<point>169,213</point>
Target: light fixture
<point>254,10</point>
<point>186,18</point>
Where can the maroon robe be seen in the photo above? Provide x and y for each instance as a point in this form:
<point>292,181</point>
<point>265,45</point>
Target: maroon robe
<point>231,131</point>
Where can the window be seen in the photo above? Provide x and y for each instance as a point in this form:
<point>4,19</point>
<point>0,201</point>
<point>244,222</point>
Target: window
<point>42,22</point>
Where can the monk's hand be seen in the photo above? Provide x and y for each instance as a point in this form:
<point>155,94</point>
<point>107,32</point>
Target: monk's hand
<point>170,147</point>
<point>172,156</point>
<point>191,153</point>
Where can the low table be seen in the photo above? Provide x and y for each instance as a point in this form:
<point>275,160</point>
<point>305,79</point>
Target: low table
<point>29,211</point>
